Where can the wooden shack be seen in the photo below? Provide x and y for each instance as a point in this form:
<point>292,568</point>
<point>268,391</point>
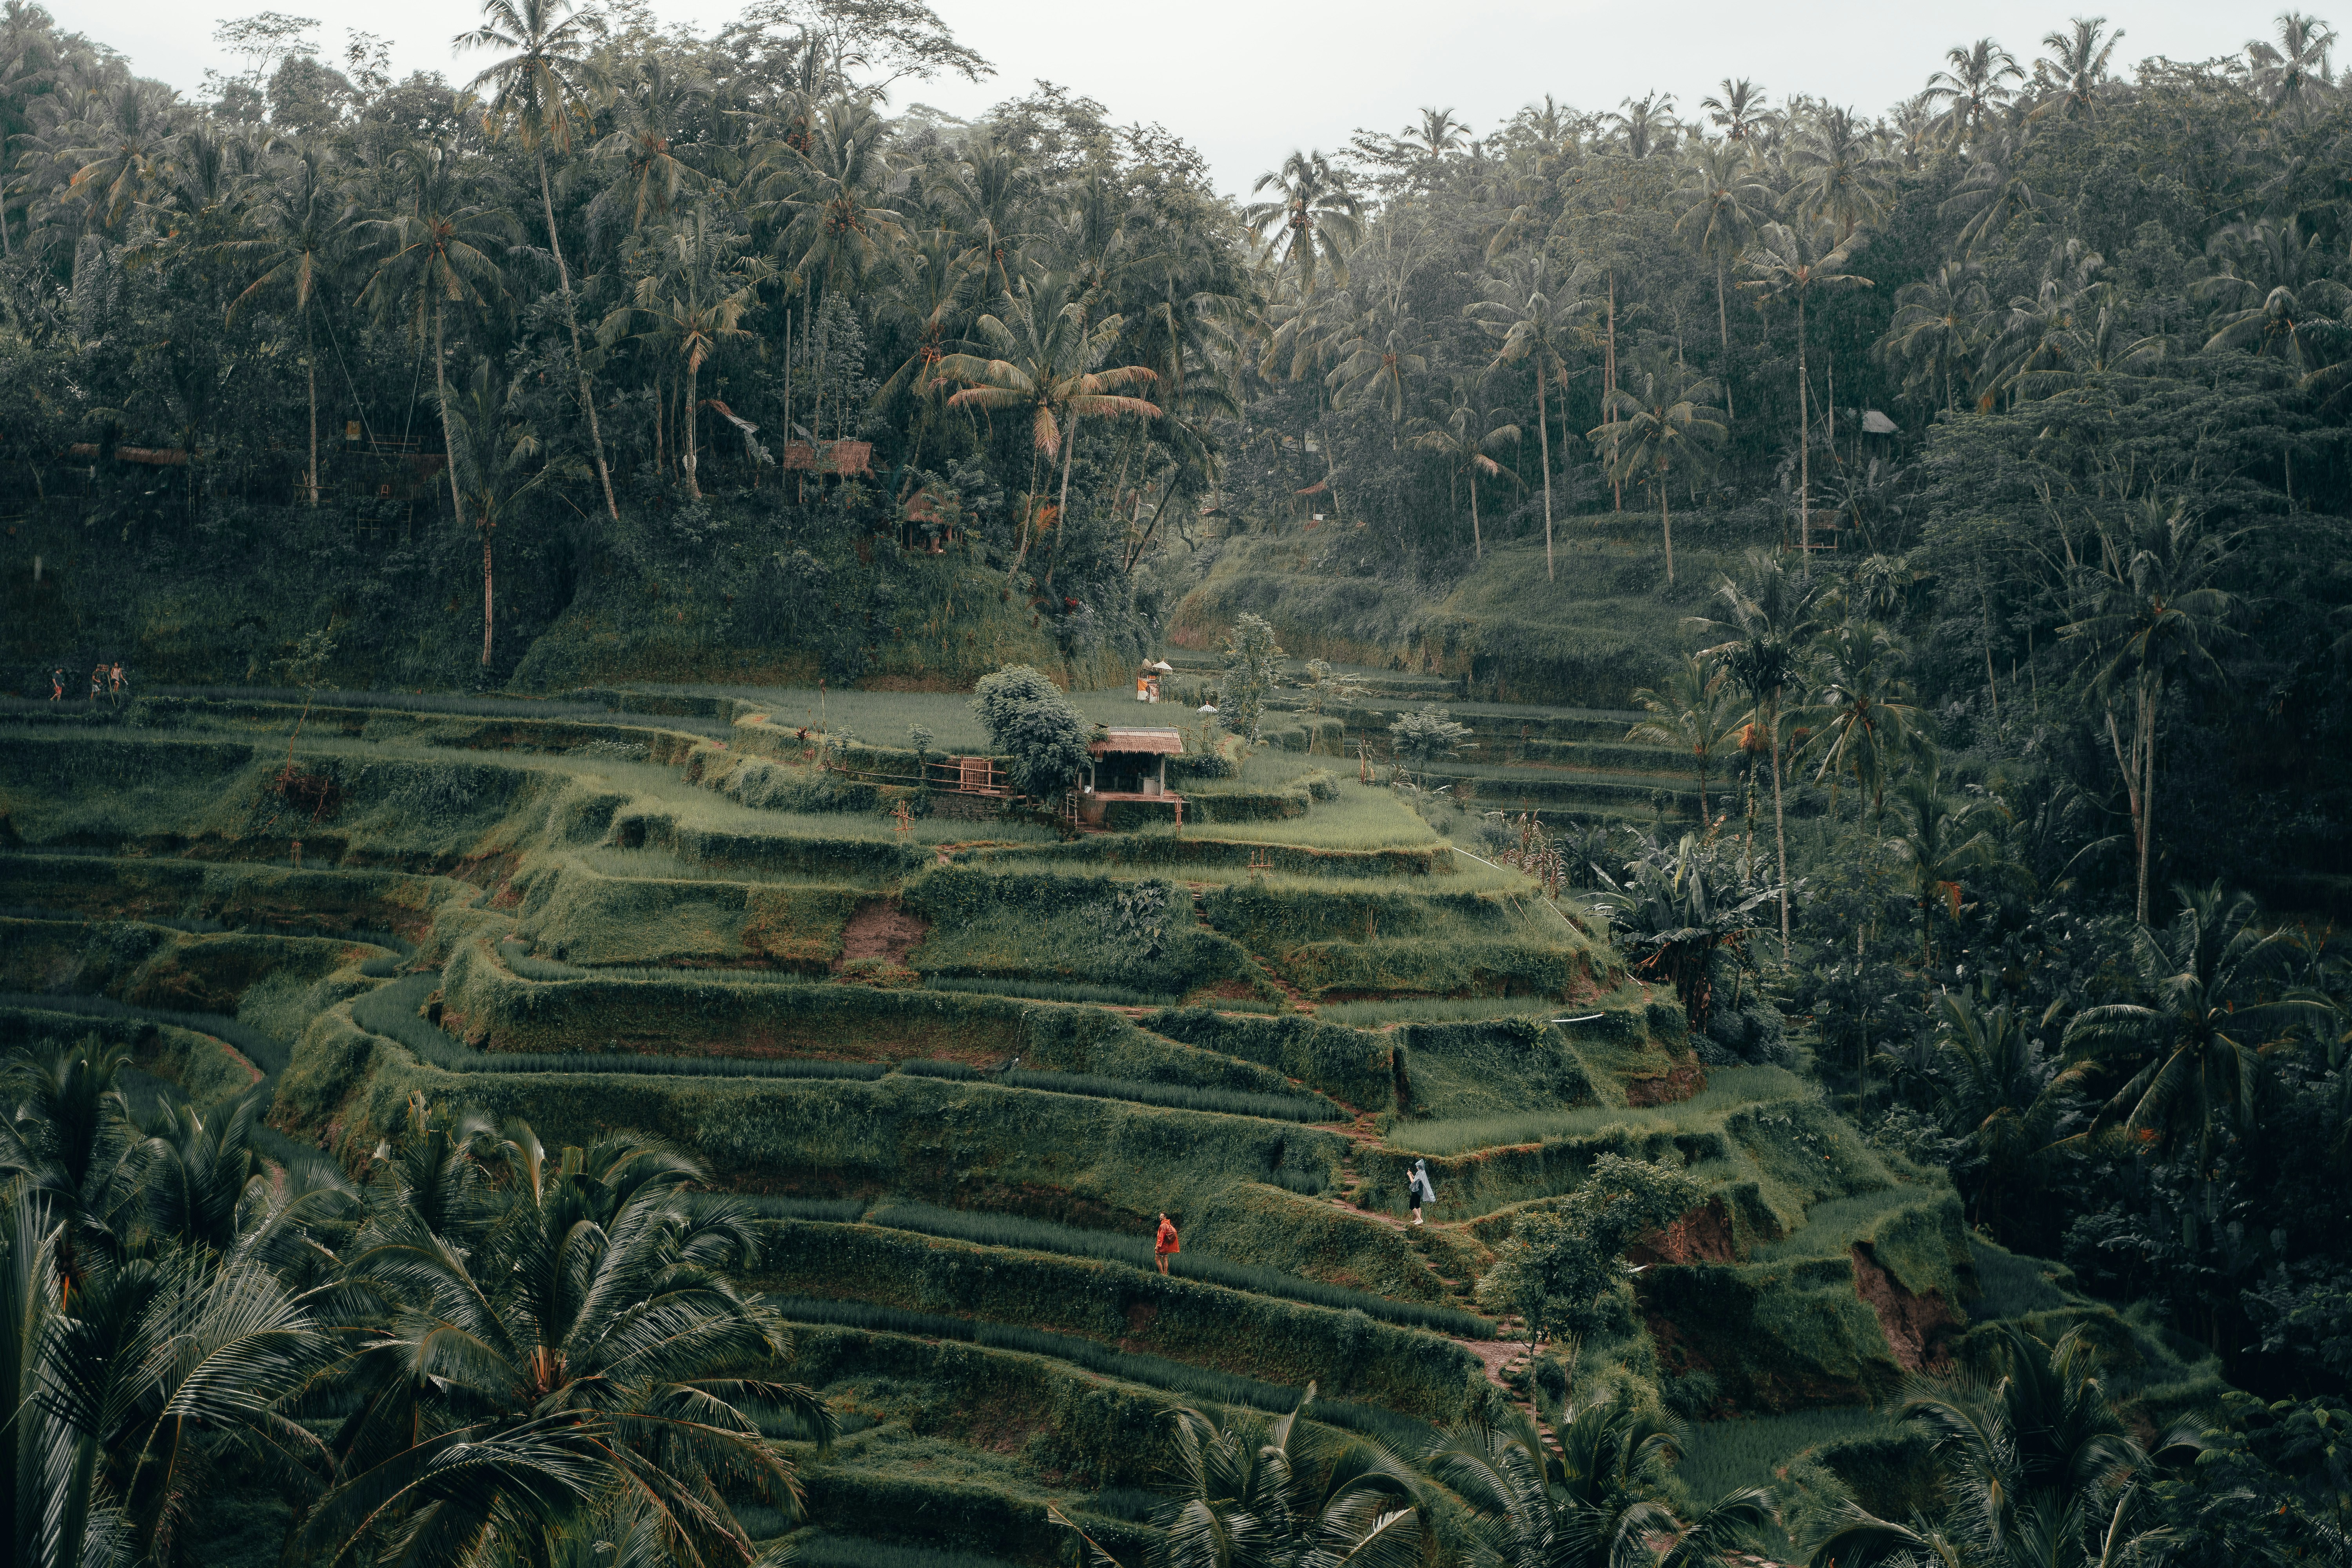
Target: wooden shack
<point>1128,765</point>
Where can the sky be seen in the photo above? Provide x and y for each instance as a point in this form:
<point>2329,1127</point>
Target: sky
<point>1246,81</point>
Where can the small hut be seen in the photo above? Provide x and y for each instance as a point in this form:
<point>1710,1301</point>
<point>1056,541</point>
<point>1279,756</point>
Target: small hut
<point>1129,765</point>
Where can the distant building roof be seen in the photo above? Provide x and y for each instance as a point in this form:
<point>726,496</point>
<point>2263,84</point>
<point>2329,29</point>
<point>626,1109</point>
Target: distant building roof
<point>1170,742</point>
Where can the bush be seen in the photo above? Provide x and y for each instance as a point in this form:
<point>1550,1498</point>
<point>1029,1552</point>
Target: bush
<point>1029,720</point>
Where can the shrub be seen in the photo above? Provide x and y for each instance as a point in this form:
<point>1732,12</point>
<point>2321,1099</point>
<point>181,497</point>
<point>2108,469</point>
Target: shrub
<point>1029,720</point>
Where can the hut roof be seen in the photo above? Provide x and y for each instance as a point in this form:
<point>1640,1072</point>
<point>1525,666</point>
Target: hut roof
<point>1165,742</point>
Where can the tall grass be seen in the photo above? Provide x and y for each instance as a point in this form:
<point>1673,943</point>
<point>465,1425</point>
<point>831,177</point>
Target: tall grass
<point>823,1549</point>
<point>832,1211</point>
<point>1112,1246</point>
<point>1401,1433</point>
<point>2013,1285</point>
<point>391,1011</point>
<point>1175,1096</point>
<point>1728,1089</point>
<point>1432,1010</point>
<point>263,1052</point>
<point>1052,991</point>
<point>1719,1456</point>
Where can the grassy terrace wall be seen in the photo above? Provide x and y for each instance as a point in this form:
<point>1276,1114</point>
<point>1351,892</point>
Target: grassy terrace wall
<point>229,893</point>
<point>151,965</point>
<point>489,1005</point>
<point>580,916</point>
<point>1347,1354</point>
<point>943,1141</point>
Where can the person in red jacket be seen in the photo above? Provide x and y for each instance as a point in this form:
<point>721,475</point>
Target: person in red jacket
<point>1165,1245</point>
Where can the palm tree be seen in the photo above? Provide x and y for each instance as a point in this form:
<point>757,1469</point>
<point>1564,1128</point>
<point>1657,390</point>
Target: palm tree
<point>1943,839</point>
<point>1973,87</point>
<point>988,191</point>
<point>1312,220</point>
<point>937,275</point>
<point>1644,125</point>
<point>1999,186</point>
<point>1255,1494</point>
<point>1697,713</point>
<point>651,174</point>
<point>2292,73</point>
<point>1841,178</point>
<point>1998,1092</point>
<point>571,1342</point>
<point>1867,723</point>
<point>2072,76</point>
<point>490,463</point>
<point>1665,426</point>
<point>1735,108</point>
<point>1767,624</point>
<point>1723,202</point>
<point>2152,607</point>
<point>538,91</point>
<point>1045,362</point>
<point>435,254</point>
<point>1790,266</point>
<point>2212,1005</point>
<point>1384,347</point>
<point>1592,1497</point>
<point>2037,1467</point>
<point>301,230</point>
<point>68,1142</point>
<point>691,303</point>
<point>1464,436</point>
<point>1939,325</point>
<point>1534,310</point>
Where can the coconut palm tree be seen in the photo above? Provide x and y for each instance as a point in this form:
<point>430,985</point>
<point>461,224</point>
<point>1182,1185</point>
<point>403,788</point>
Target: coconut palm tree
<point>1698,712</point>
<point>2073,76</point>
<point>1999,1092</point>
<point>1535,311</point>
<point>1723,202</point>
<point>1591,1498</point>
<point>572,1346</point>
<point>491,463</point>
<point>1047,359</point>
<point>1791,265</point>
<point>301,234</point>
<point>538,91</point>
<point>1939,325</point>
<point>691,303</point>
<point>2212,1001</point>
<point>2036,1466</point>
<point>1250,1493</point>
<point>2291,75</point>
<point>1310,222</point>
<point>1666,426</point>
<point>2151,609</point>
<point>1384,346</point>
<point>1945,839</point>
<point>652,167</point>
<point>1463,437</point>
<point>1864,722</point>
<point>69,1144</point>
<point>1972,87</point>
<point>1766,625</point>
<point>1842,179</point>
<point>1735,108</point>
<point>438,248</point>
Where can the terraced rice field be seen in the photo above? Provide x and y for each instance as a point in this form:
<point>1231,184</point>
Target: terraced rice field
<point>955,1089</point>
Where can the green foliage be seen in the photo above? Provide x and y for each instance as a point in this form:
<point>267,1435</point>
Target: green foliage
<point>1221,1102</point>
<point>1252,663</point>
<point>1425,736</point>
<point>1029,720</point>
<point>1728,1089</point>
<point>1561,1259</point>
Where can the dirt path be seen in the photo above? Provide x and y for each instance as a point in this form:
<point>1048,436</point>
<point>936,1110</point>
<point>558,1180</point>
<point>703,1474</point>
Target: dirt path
<point>1265,970</point>
<point>880,928</point>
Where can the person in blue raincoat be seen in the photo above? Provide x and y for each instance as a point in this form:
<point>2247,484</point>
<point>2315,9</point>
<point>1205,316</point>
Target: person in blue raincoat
<point>1419,1189</point>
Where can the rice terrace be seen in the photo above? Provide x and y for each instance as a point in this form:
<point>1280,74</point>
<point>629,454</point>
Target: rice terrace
<point>741,824</point>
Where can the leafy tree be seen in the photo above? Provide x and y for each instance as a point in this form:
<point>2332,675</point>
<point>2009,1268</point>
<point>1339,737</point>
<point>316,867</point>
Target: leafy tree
<point>1463,437</point>
<point>1426,735</point>
<point>1724,204</point>
<point>1944,838</point>
<point>490,463</point>
<point>1324,685</point>
<point>1696,713</point>
<point>1027,717</point>
<point>1867,724</point>
<point>1563,1259</point>
<point>1533,310</point>
<point>1253,664</point>
<point>1312,221</point>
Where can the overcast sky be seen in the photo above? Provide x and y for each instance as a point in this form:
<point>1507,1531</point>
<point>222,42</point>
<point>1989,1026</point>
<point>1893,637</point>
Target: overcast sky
<point>1247,81</point>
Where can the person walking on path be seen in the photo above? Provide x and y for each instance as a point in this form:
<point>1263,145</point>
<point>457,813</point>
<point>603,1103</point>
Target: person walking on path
<point>1419,1189</point>
<point>97,680</point>
<point>1164,1245</point>
<point>114,682</point>
<point>57,684</point>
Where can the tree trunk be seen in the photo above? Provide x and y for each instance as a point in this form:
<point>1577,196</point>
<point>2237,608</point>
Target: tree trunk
<point>1667,523</point>
<point>571,319</point>
<point>1062,507</point>
<point>441,393</point>
<point>1804,463</point>
<point>1543,435</point>
<point>314,430</point>
<point>692,488</point>
<point>486,598</point>
<point>2147,794</point>
<point>1722,325</point>
<point>1477,543</point>
<point>1609,393</point>
<point>1779,826</point>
